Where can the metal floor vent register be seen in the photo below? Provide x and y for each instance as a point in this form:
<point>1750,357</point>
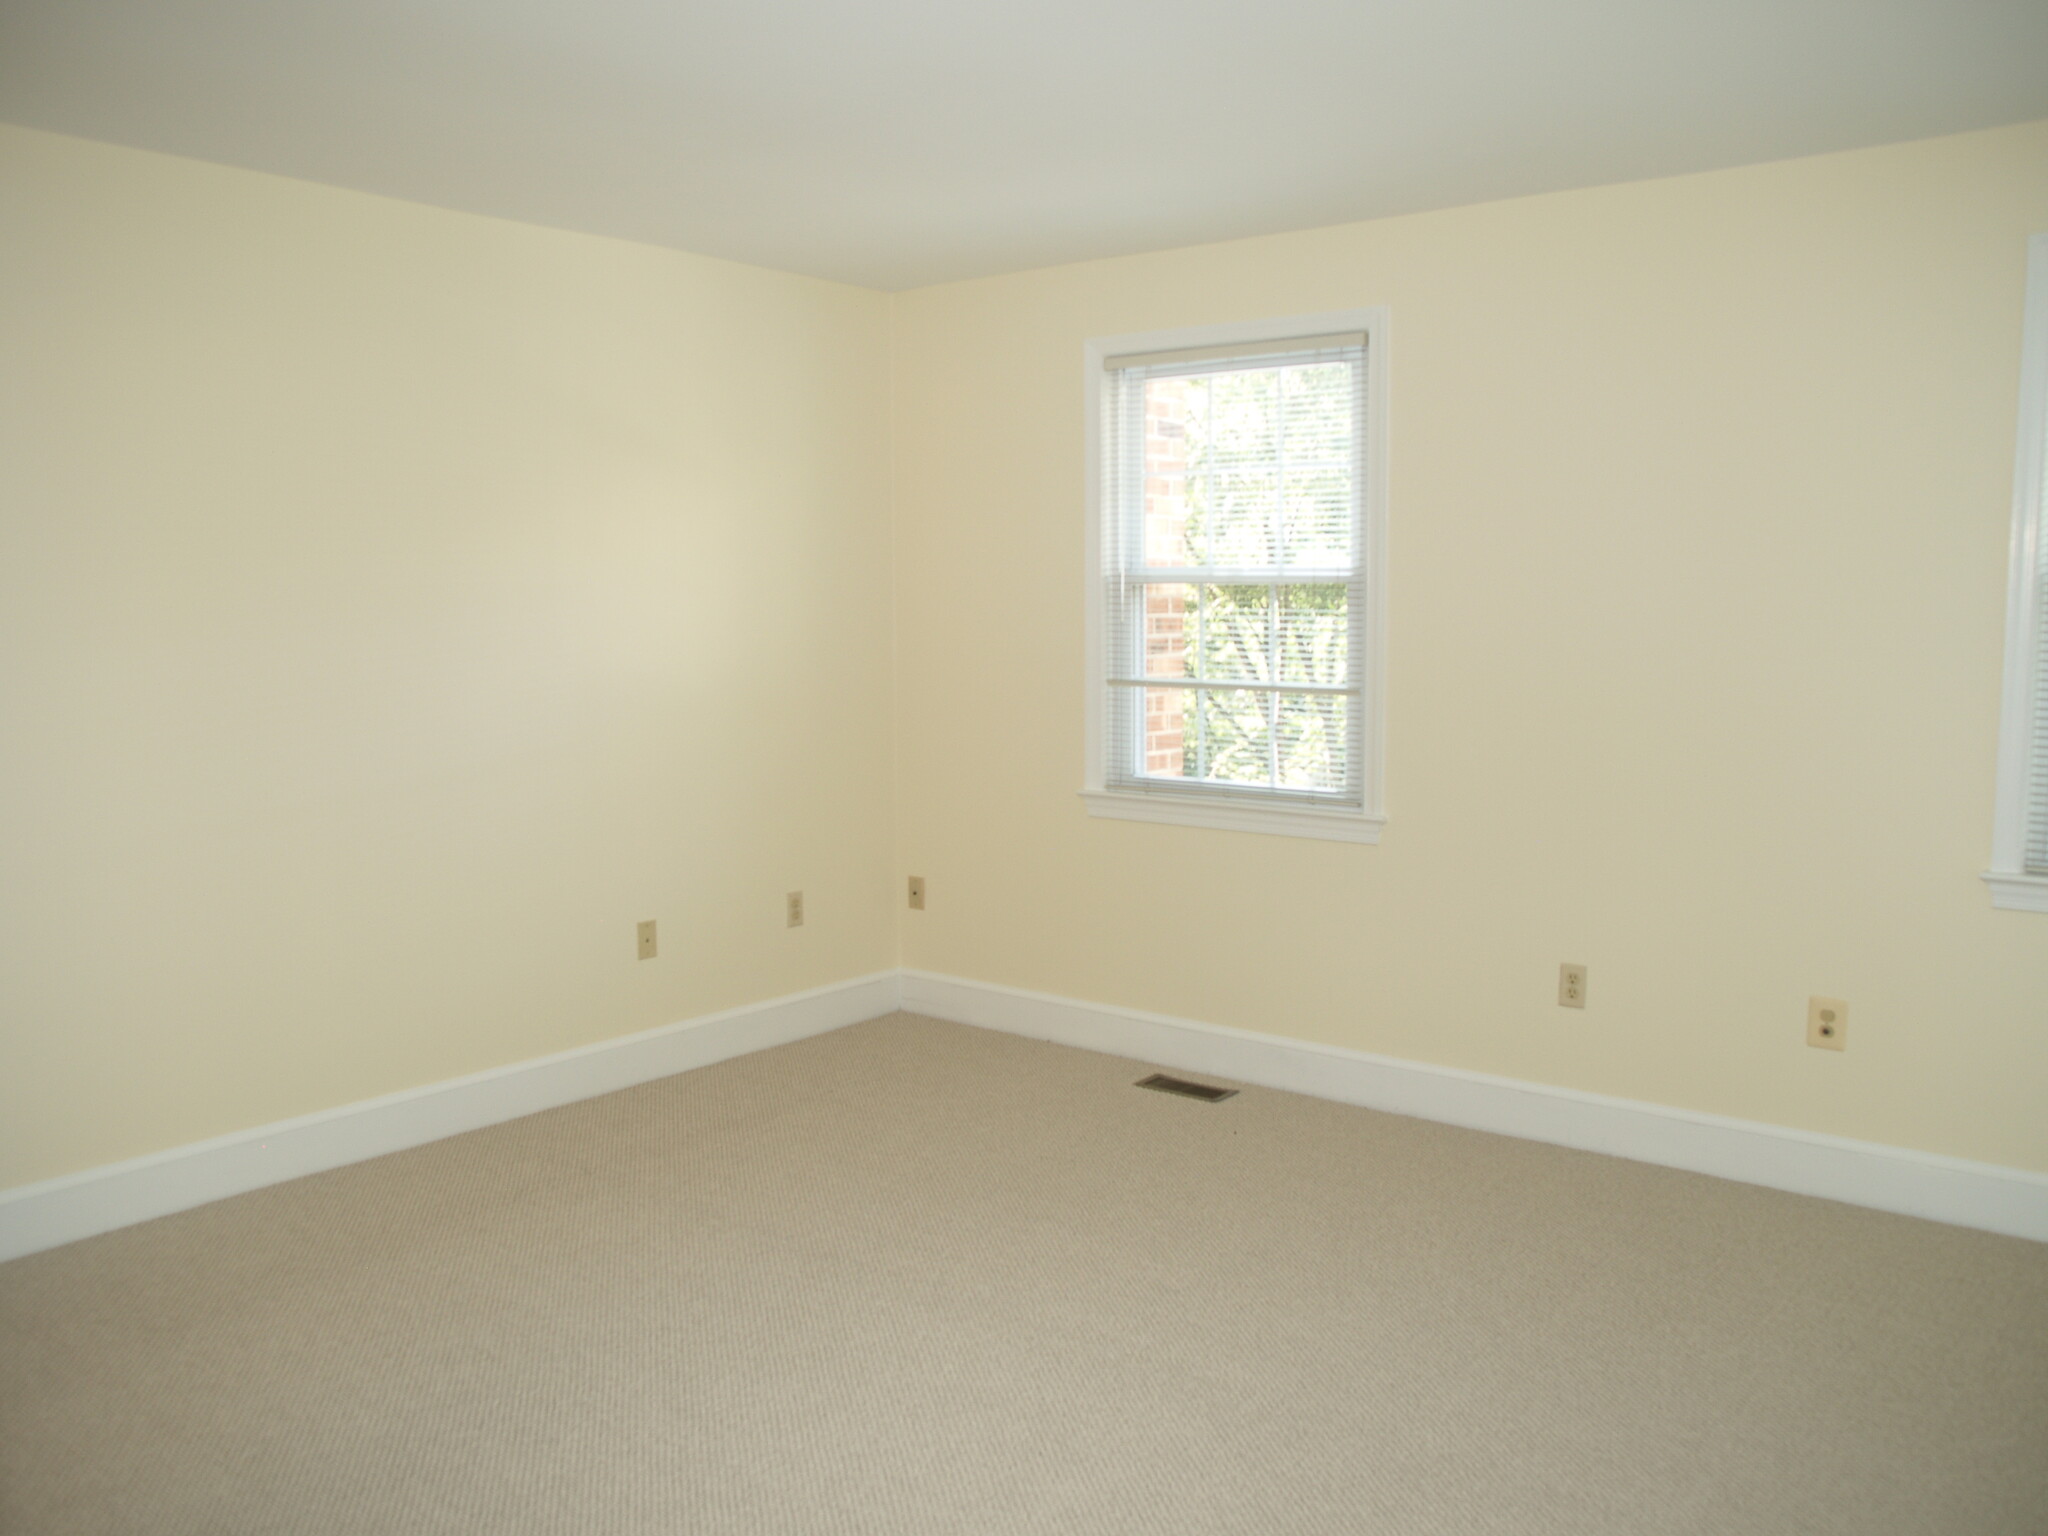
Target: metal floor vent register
<point>1159,1082</point>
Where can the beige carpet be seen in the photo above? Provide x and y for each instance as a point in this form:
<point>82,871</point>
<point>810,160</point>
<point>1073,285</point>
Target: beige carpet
<point>912,1277</point>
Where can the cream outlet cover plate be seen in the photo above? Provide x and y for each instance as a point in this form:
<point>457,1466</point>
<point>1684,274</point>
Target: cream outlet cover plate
<point>1827,1023</point>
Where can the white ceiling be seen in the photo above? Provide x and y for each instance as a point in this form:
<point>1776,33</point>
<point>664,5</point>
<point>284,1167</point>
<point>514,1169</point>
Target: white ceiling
<point>900,142</point>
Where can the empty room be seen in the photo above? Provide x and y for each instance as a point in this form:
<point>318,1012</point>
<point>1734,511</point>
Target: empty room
<point>949,768</point>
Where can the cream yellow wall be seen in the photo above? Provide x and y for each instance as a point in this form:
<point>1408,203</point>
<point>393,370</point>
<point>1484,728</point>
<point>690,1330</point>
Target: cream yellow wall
<point>395,607</point>
<point>1697,544</point>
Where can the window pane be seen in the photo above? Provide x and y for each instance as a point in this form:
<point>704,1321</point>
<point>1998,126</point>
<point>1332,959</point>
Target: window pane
<point>1235,735</point>
<point>1170,615</point>
<point>1234,461</point>
<point>1228,736</point>
<point>1320,410</point>
<point>1247,467</point>
<point>1314,740</point>
<point>1244,416</point>
<point>1316,516</point>
<point>1314,625</point>
<point>1239,520</point>
<point>1172,511</point>
<point>1235,634</point>
<point>1319,444</point>
<point>1170,739</point>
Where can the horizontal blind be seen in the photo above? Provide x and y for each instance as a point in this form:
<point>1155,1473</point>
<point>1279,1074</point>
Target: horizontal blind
<point>1234,570</point>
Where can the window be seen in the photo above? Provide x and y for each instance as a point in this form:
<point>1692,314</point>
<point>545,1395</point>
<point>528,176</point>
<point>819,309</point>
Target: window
<point>2019,843</point>
<point>1236,480</point>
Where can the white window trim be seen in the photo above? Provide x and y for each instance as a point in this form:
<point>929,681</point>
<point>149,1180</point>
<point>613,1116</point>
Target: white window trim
<point>2011,886</point>
<point>1236,813</point>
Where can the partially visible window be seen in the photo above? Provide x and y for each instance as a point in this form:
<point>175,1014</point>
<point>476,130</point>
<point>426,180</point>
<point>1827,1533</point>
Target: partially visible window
<point>2019,846</point>
<point>1233,584</point>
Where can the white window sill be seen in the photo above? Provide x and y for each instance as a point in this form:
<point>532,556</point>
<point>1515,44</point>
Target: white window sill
<point>1235,816</point>
<point>2019,893</point>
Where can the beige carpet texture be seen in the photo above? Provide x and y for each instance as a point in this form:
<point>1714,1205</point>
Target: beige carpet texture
<point>912,1277</point>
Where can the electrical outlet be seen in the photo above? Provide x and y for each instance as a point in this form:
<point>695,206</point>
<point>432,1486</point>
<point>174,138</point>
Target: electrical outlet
<point>917,893</point>
<point>1827,1023</point>
<point>796,909</point>
<point>647,939</point>
<point>1571,986</point>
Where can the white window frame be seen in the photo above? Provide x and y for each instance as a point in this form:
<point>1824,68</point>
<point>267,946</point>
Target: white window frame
<point>2026,609</point>
<point>1241,810</point>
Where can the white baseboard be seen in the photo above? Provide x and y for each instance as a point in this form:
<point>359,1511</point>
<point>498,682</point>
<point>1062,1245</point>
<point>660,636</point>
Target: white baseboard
<point>1969,1194</point>
<point>1949,1189</point>
<point>39,1216</point>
